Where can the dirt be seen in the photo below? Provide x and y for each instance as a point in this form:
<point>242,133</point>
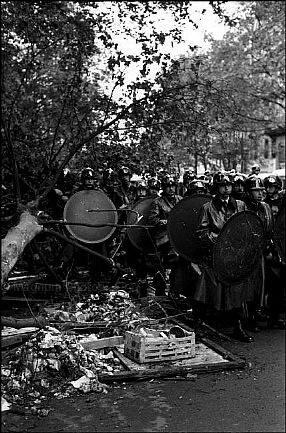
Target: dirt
<point>247,400</point>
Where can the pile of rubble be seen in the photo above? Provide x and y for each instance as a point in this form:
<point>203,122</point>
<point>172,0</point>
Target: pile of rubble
<point>54,363</point>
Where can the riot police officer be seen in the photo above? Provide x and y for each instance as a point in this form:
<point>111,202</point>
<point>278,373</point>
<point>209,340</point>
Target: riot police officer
<point>210,291</point>
<point>255,169</point>
<point>273,268</point>
<point>154,186</point>
<point>254,188</point>
<point>158,217</point>
<point>88,180</point>
<point>141,190</point>
<point>195,186</point>
<point>274,193</point>
<point>238,191</point>
<point>188,177</point>
<point>124,188</point>
<point>107,184</point>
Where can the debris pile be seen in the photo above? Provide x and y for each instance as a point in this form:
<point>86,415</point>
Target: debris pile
<point>54,362</point>
<point>45,366</point>
<point>114,309</point>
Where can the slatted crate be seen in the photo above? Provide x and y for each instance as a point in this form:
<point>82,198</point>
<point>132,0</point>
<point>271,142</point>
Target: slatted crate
<point>147,349</point>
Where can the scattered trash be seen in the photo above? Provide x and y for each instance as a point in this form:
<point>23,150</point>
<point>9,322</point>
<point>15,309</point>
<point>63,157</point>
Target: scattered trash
<point>4,405</point>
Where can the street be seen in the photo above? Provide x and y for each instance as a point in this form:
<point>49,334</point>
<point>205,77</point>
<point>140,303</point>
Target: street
<point>248,400</point>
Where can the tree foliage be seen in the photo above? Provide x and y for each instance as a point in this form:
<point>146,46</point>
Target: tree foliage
<point>61,67</point>
<point>232,94</point>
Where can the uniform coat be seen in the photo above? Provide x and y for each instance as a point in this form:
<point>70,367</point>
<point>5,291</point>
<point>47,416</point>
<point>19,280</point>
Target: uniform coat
<point>159,212</point>
<point>209,289</point>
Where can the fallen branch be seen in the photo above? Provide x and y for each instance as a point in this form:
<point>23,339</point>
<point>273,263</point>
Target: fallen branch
<point>14,243</point>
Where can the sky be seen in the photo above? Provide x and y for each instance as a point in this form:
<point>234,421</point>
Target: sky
<point>208,22</point>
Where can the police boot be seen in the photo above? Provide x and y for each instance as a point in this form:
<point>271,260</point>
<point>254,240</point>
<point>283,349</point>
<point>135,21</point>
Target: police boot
<point>275,322</point>
<point>240,334</point>
<point>159,283</point>
<point>251,323</point>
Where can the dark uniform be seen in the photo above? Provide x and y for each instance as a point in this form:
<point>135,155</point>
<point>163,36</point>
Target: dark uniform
<point>238,191</point>
<point>274,288</point>
<point>135,258</point>
<point>188,177</point>
<point>209,290</point>
<point>89,181</point>
<point>154,186</point>
<point>195,186</point>
<point>158,217</point>
<point>274,193</point>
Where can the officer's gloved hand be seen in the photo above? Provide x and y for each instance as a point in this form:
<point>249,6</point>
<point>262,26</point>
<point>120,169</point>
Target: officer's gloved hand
<point>43,216</point>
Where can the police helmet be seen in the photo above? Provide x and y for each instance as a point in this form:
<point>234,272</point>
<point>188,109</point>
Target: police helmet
<point>221,179</point>
<point>167,180</point>
<point>197,184</point>
<point>154,183</point>
<point>187,177</point>
<point>253,182</point>
<point>106,175</point>
<point>238,178</point>
<point>87,173</point>
<point>273,181</point>
<point>124,171</point>
<point>141,184</point>
<point>255,168</point>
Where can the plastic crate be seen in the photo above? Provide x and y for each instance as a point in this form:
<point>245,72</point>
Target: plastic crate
<point>46,289</point>
<point>144,349</point>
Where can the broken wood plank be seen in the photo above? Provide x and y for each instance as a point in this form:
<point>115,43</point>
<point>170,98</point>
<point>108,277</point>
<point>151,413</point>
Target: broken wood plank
<point>12,322</point>
<point>203,325</point>
<point>101,343</point>
<point>10,338</point>
<point>155,373</point>
<point>78,326</point>
<point>13,299</point>
<point>226,354</point>
<point>212,345</point>
<point>127,363</point>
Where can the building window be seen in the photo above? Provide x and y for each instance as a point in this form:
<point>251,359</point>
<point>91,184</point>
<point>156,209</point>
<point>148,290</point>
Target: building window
<point>281,152</point>
<point>266,148</point>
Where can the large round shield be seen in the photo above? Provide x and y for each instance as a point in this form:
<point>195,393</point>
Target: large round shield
<point>138,236</point>
<point>238,247</point>
<point>183,222</point>
<point>90,207</point>
<point>279,233</point>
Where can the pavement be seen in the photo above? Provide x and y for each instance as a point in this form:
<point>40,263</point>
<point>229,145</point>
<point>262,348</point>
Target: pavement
<point>251,399</point>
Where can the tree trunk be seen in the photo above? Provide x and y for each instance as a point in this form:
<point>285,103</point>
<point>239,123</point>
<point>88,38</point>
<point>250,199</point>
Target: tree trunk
<point>17,238</point>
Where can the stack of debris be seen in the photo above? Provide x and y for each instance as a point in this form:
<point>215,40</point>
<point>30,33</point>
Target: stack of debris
<point>55,362</point>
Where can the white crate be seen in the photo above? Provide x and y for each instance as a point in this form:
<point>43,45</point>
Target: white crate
<point>144,349</point>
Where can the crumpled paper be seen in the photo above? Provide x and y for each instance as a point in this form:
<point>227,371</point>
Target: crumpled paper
<point>5,405</point>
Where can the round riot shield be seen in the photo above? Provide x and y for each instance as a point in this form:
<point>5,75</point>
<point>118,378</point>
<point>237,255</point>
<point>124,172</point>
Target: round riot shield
<point>183,222</point>
<point>140,237</point>
<point>279,233</point>
<point>90,207</point>
<point>238,247</point>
